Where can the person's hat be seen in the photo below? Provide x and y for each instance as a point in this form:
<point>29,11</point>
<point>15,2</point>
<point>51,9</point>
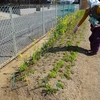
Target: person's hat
<point>93,3</point>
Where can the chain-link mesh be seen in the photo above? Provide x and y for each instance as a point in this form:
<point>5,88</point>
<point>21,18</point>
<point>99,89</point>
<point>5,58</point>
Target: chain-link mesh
<point>20,25</point>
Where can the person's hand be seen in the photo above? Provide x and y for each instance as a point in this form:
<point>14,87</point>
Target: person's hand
<point>75,29</point>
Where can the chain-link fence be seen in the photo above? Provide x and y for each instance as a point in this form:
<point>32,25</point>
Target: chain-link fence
<point>20,25</point>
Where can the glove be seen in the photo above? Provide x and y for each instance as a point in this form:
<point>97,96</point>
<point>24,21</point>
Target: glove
<point>75,29</point>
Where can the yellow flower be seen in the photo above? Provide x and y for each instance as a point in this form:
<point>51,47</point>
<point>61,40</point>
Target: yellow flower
<point>20,55</point>
<point>49,32</point>
<point>64,23</point>
<point>33,43</point>
<point>34,40</point>
<point>56,16</point>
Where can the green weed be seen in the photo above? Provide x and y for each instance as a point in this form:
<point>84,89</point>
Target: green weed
<point>23,67</point>
<point>60,85</point>
<point>49,90</point>
<point>20,78</point>
<point>52,74</point>
<point>30,72</point>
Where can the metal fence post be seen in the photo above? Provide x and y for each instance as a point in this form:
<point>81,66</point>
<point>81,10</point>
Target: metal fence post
<point>68,8</point>
<point>73,7</point>
<point>43,21</point>
<point>63,11</point>
<point>56,13</point>
<point>13,31</point>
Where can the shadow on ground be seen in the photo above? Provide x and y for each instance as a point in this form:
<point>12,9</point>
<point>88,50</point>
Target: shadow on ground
<point>68,48</point>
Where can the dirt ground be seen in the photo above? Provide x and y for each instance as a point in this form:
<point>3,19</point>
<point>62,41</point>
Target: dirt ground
<point>83,85</point>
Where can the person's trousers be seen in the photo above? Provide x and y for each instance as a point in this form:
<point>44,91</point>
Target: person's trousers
<point>95,39</point>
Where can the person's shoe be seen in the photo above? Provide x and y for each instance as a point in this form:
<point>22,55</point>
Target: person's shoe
<point>90,53</point>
